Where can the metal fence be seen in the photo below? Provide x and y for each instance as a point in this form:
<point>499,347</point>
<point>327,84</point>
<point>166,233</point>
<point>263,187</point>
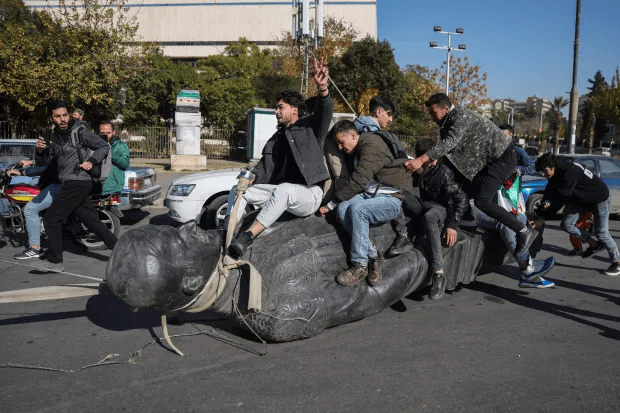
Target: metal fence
<point>20,130</point>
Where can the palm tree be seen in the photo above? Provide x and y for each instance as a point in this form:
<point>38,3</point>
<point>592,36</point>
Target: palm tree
<point>559,103</point>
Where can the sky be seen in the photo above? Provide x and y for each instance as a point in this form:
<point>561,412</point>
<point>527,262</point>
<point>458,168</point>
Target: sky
<point>525,46</point>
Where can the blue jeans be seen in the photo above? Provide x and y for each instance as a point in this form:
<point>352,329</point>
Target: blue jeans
<point>571,215</point>
<point>358,213</point>
<point>32,210</point>
<point>508,236</point>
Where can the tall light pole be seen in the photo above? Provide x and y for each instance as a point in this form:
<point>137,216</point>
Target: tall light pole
<point>448,49</point>
<point>574,96</point>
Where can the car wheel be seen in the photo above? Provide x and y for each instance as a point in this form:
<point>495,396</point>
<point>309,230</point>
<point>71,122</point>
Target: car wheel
<point>215,213</point>
<point>532,203</point>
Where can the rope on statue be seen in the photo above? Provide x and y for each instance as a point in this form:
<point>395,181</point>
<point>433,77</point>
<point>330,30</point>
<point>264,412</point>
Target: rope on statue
<point>218,280</point>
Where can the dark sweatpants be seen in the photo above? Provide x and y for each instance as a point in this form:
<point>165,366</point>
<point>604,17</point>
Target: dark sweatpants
<point>489,181</point>
<point>73,196</point>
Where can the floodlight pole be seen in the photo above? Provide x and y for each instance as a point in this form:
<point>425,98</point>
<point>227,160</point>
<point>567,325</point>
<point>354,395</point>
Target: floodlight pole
<point>448,49</point>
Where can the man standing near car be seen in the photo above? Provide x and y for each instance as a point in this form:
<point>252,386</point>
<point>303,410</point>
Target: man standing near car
<point>75,181</point>
<point>292,169</point>
<point>120,158</point>
<point>570,183</point>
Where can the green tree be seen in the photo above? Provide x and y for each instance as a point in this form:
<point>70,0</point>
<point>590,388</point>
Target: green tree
<point>607,101</point>
<point>70,52</point>
<point>366,69</point>
<point>230,80</point>
<point>412,117</point>
<point>467,84</point>
<point>558,104</point>
<point>150,98</point>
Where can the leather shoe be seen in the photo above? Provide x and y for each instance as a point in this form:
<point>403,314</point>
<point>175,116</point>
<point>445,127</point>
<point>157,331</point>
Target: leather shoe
<point>352,274</point>
<point>400,245</point>
<point>240,244</point>
<point>374,270</point>
<point>439,286</point>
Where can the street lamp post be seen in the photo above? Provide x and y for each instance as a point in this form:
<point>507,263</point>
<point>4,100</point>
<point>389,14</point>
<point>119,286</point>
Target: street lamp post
<point>448,48</point>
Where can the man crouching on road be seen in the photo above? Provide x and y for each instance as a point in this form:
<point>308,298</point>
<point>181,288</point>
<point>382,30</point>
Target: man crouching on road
<point>372,194</point>
<point>290,174</point>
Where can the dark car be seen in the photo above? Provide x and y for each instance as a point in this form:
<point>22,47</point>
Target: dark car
<point>606,168</point>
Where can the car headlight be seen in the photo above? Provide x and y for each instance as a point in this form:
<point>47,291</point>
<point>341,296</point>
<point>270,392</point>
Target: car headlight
<point>182,190</point>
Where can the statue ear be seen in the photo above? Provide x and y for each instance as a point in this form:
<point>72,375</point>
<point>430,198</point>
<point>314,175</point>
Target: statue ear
<point>187,229</point>
<point>192,284</point>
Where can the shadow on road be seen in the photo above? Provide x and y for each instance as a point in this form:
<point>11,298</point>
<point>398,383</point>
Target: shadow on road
<point>523,299</point>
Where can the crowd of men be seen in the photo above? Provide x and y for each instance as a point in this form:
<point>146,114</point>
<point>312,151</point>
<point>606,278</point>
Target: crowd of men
<point>361,172</point>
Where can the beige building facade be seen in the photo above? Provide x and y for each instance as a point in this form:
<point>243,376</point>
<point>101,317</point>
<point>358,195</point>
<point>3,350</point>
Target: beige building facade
<point>191,29</point>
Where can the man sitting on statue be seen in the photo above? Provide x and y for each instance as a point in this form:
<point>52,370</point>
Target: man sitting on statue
<point>372,194</point>
<point>292,169</point>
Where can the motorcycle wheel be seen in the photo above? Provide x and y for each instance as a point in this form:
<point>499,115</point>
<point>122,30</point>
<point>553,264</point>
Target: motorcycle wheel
<point>91,241</point>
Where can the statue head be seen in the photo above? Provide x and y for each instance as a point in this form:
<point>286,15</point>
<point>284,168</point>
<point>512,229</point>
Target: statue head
<point>161,266</point>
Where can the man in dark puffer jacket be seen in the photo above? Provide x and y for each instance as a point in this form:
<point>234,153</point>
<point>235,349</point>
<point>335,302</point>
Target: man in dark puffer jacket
<point>443,205</point>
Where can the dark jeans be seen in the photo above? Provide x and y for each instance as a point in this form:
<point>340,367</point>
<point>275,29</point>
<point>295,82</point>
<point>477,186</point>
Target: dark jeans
<point>433,222</point>
<point>73,196</point>
<point>489,181</point>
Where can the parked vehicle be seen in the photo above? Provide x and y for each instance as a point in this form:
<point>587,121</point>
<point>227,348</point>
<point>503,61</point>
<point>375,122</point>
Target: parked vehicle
<point>606,168</point>
<point>202,197</point>
<point>15,196</point>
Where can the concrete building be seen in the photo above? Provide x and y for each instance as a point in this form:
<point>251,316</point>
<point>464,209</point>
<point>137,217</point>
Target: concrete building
<point>535,104</point>
<point>191,29</point>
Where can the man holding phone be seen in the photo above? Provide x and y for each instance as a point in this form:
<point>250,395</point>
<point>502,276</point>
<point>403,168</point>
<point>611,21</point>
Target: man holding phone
<point>75,181</point>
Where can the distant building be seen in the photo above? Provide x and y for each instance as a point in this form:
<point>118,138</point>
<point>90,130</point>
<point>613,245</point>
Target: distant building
<point>191,29</point>
<point>535,104</point>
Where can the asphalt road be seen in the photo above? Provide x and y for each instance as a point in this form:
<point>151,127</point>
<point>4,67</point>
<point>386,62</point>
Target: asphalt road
<point>485,347</point>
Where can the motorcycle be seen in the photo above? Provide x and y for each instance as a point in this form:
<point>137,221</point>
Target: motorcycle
<point>13,198</point>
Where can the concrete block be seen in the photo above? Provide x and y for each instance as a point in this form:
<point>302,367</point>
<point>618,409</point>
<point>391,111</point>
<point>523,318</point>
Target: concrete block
<point>188,162</point>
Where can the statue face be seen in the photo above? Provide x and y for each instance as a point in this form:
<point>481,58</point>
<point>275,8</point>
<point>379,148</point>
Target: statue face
<point>163,267</point>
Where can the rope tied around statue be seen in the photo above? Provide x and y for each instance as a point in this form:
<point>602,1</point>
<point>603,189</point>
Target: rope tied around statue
<point>218,280</point>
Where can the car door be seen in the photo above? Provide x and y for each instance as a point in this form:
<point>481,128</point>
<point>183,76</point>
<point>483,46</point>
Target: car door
<point>609,172</point>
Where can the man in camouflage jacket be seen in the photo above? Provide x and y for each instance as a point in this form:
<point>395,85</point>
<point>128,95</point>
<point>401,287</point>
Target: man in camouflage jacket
<point>482,157</point>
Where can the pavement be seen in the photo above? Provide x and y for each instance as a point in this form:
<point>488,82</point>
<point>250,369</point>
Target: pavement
<point>488,346</point>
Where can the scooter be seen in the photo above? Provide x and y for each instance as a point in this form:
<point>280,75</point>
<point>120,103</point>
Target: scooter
<point>13,198</point>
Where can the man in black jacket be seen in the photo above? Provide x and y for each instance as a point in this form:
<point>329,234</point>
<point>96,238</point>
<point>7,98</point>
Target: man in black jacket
<point>76,183</point>
<point>570,183</point>
<point>292,169</point>
<point>443,205</point>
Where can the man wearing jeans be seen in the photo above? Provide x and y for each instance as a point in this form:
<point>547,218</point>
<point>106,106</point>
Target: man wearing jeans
<point>372,194</point>
<point>570,183</point>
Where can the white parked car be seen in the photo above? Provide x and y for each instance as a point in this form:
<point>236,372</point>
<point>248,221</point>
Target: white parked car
<point>202,197</point>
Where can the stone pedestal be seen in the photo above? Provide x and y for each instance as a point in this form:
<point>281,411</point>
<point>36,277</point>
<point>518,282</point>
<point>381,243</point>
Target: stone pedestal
<point>188,162</point>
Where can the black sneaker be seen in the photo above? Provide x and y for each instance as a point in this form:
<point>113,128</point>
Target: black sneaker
<point>613,270</point>
<point>593,250</point>
<point>524,240</point>
<point>400,245</point>
<point>29,253</point>
<point>575,251</point>
<point>240,244</point>
<point>439,286</point>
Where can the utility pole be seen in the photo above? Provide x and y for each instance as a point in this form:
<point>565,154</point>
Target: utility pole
<point>448,48</point>
<point>305,37</point>
<point>574,97</point>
